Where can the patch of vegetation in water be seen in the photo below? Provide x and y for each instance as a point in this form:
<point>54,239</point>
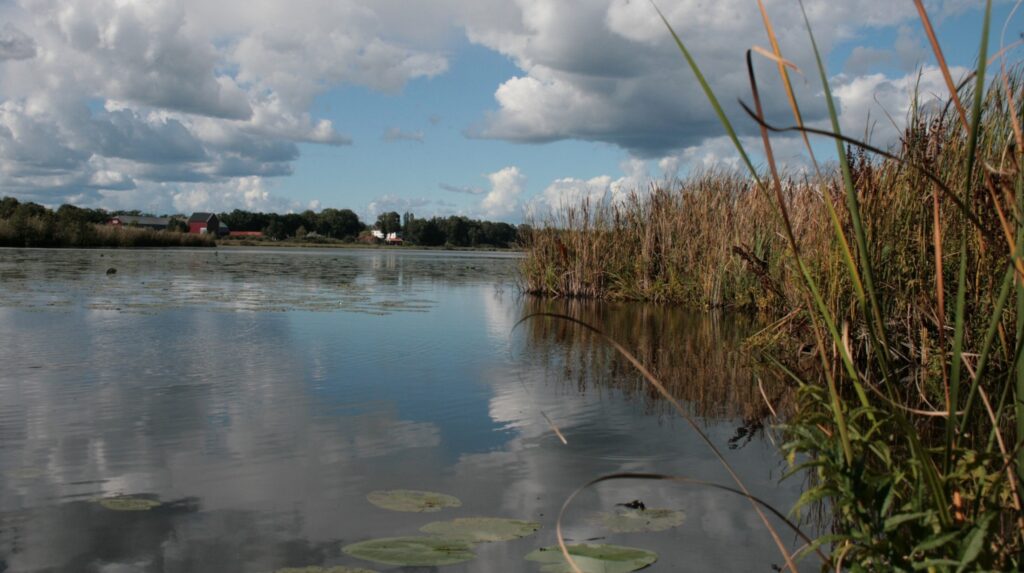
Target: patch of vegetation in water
<point>412,500</point>
<point>412,551</point>
<point>318,569</point>
<point>482,529</point>
<point>593,558</point>
<point>627,520</point>
<point>129,503</point>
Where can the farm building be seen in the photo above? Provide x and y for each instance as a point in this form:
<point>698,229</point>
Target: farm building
<point>157,223</point>
<point>203,223</point>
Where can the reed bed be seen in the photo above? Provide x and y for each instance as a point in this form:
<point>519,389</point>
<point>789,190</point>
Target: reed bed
<point>900,272</point>
<point>49,232</point>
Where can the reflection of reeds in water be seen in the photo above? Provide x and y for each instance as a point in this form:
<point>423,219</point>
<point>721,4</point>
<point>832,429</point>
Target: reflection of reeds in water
<point>698,357</point>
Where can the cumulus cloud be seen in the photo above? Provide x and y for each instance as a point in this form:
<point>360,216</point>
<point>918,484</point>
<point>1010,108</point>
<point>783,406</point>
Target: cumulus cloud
<point>502,200</point>
<point>204,94</point>
<point>876,106</point>
<point>608,71</point>
<point>396,134</point>
<point>15,44</point>
<point>201,95</point>
<point>636,179</point>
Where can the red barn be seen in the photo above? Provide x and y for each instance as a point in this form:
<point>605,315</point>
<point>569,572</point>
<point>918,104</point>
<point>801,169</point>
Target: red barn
<point>203,223</point>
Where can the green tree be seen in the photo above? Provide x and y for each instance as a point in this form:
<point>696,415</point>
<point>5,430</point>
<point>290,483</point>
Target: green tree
<point>7,207</point>
<point>275,230</point>
<point>339,223</point>
<point>431,234</point>
<point>389,222</point>
<point>176,225</point>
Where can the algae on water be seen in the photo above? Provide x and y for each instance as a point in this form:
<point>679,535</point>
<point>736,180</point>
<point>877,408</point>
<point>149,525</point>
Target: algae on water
<point>127,503</point>
<point>481,529</point>
<point>412,500</point>
<point>593,558</point>
<point>418,551</point>
<point>638,520</point>
<point>318,569</point>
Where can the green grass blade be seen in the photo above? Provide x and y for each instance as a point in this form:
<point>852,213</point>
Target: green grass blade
<point>986,346</point>
<point>960,319</point>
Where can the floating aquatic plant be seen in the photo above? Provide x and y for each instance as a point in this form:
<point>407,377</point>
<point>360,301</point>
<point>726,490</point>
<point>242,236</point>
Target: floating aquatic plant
<point>128,503</point>
<point>412,500</point>
<point>420,551</point>
<point>593,558</point>
<point>318,569</point>
<point>482,529</point>
<point>639,520</point>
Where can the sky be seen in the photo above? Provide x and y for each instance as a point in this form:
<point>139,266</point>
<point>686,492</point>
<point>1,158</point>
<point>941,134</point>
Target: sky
<point>497,109</point>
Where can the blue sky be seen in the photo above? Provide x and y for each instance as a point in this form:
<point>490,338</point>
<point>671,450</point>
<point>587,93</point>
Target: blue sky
<point>489,108</point>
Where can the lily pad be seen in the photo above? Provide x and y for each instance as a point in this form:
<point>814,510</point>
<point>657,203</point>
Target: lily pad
<point>318,569</point>
<point>594,558</point>
<point>412,500</point>
<point>482,529</point>
<point>127,503</point>
<point>638,520</point>
<point>422,551</point>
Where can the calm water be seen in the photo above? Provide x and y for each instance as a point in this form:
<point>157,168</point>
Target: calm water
<point>260,395</point>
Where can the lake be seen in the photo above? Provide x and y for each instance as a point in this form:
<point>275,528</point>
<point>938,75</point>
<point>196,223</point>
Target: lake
<point>259,395</point>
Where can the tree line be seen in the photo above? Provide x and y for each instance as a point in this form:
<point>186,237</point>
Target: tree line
<point>344,224</point>
<point>329,223</point>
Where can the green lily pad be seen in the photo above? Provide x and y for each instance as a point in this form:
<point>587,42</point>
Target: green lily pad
<point>638,520</point>
<point>318,569</point>
<point>423,551</point>
<point>412,500</point>
<point>127,503</point>
<point>482,529</point>
<point>594,558</point>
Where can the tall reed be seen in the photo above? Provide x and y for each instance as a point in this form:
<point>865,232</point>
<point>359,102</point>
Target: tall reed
<point>897,268</point>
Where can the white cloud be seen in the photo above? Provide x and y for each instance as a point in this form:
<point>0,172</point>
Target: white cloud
<point>502,201</point>
<point>878,106</point>
<point>609,71</point>
<point>188,91</point>
<point>571,191</point>
<point>396,134</point>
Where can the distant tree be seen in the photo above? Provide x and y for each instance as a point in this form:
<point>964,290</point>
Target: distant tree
<point>7,207</point>
<point>389,222</point>
<point>176,225</point>
<point>431,235</point>
<point>457,231</point>
<point>70,214</point>
<point>275,230</point>
<point>339,223</point>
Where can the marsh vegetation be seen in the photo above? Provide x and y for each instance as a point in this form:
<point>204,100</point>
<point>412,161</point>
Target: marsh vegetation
<point>900,272</point>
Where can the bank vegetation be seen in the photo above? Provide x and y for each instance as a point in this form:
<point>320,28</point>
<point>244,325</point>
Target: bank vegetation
<point>893,286</point>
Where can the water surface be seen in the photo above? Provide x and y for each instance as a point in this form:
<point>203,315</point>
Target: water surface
<point>260,395</point>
